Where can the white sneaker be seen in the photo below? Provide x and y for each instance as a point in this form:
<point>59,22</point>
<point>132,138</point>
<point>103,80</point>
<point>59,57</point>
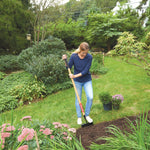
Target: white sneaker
<point>79,121</point>
<point>89,119</point>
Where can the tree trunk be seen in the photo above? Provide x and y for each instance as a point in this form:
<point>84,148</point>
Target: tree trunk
<point>38,36</point>
<point>34,34</point>
<point>108,45</point>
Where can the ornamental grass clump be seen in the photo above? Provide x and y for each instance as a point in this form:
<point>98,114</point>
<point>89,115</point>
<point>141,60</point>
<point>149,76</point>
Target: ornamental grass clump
<point>137,138</point>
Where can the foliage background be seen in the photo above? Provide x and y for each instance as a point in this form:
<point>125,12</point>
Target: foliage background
<point>70,22</point>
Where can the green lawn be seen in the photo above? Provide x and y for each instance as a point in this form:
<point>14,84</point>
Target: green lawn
<point>122,78</point>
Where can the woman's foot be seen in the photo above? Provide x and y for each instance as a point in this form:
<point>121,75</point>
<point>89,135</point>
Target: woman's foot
<point>79,121</point>
<point>89,119</point>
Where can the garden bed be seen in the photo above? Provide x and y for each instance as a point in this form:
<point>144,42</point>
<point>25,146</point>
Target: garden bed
<point>91,134</point>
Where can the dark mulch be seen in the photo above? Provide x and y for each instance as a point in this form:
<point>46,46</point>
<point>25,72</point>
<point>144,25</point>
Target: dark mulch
<point>90,134</point>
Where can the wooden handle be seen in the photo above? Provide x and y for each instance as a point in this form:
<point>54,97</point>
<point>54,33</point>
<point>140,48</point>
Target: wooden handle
<point>37,142</point>
<point>75,88</point>
<point>76,93</point>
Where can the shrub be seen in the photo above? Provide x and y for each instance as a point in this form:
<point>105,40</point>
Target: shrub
<point>98,57</point>
<point>147,40</point>
<point>105,97</point>
<point>46,47</point>
<point>130,48</point>
<point>127,45</point>
<point>97,66</point>
<point>44,61</point>
<point>57,87</point>
<point>50,69</point>
<point>9,63</point>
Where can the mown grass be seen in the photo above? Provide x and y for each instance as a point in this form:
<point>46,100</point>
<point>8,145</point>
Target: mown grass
<point>122,78</point>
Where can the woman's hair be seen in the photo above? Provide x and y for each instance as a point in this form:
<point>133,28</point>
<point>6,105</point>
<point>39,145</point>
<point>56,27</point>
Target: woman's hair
<point>82,47</point>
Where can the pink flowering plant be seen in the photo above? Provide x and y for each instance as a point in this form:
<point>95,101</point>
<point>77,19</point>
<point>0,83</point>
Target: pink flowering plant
<point>117,99</point>
<point>28,136</point>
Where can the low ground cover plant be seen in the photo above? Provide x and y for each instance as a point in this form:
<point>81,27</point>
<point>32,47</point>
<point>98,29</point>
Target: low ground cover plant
<point>29,91</point>
<point>19,87</point>
<point>22,87</point>
<point>2,75</point>
<point>29,135</point>
<point>9,63</point>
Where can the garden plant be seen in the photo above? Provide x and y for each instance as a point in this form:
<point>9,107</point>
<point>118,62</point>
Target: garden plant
<point>117,100</point>
<point>137,138</point>
<point>30,134</point>
<point>106,99</point>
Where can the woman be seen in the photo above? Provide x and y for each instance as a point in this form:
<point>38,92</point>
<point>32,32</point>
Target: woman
<point>82,61</point>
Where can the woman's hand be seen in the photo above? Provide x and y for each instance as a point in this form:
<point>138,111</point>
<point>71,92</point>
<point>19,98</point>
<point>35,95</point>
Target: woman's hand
<point>64,56</point>
<point>72,76</point>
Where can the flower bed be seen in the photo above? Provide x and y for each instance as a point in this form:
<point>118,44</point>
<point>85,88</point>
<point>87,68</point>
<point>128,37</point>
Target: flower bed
<point>31,135</point>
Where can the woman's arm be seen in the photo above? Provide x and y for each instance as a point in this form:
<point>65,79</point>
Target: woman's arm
<point>75,76</point>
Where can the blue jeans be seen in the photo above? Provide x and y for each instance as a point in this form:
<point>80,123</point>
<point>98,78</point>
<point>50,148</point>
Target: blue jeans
<point>89,95</point>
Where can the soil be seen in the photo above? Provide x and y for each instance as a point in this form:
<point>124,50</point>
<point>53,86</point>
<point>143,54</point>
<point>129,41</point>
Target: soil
<point>91,133</point>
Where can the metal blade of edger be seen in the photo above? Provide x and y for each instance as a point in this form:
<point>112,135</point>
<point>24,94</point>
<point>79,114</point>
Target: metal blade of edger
<point>87,123</point>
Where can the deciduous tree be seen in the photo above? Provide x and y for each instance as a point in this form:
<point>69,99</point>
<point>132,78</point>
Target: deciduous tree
<point>103,29</point>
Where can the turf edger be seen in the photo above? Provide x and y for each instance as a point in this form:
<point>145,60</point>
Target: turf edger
<point>81,107</point>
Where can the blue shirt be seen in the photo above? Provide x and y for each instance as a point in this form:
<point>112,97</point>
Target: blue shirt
<point>81,66</point>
